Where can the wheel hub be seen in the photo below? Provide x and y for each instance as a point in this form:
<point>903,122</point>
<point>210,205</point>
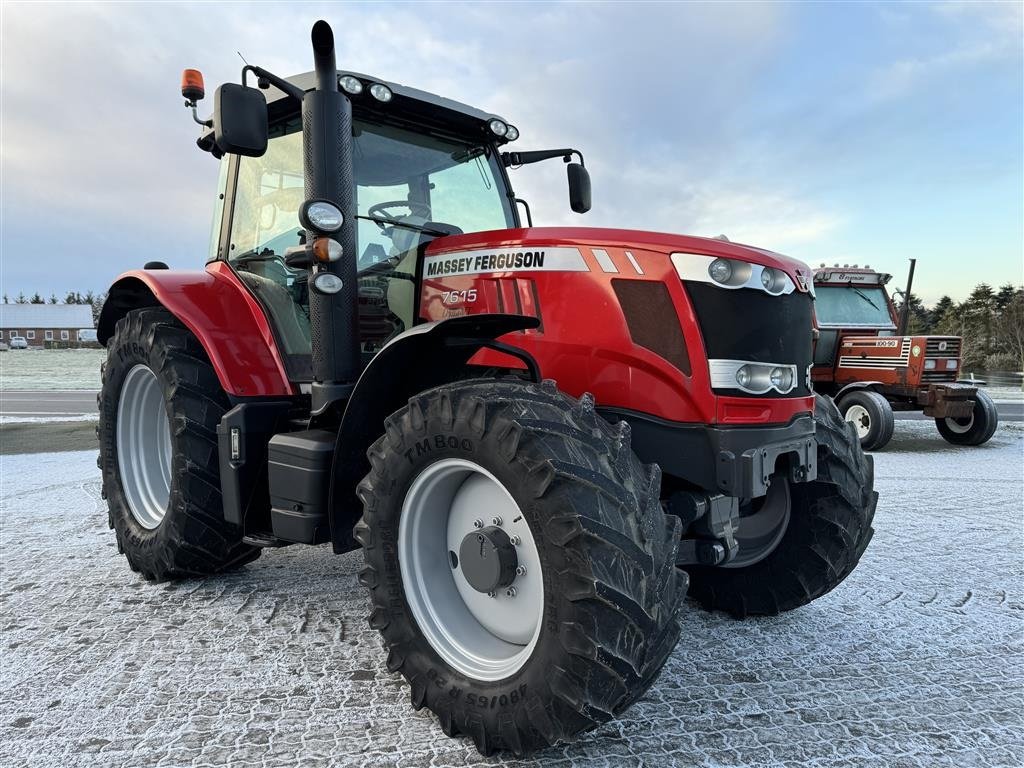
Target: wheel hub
<point>478,604</point>
<point>488,559</point>
<point>860,418</point>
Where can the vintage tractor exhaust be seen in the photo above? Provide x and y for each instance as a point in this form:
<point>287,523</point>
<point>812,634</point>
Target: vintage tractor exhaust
<point>327,150</point>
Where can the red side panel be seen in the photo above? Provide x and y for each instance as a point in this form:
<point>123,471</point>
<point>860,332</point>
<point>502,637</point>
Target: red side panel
<point>229,323</point>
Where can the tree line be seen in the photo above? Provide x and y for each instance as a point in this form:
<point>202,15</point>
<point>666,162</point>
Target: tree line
<point>991,323</point>
<point>94,300</point>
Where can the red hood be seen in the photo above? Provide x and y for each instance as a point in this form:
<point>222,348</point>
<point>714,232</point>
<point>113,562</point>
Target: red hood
<point>623,238</point>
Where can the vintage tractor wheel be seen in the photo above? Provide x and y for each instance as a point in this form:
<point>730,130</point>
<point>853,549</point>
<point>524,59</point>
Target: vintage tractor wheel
<point>871,415</point>
<point>159,407</point>
<point>977,428</point>
<point>521,570</point>
<point>803,539</point>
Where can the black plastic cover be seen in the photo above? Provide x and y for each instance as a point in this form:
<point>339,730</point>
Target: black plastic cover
<point>299,472</point>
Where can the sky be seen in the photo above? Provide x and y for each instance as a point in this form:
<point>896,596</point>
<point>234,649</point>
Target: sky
<point>831,132</point>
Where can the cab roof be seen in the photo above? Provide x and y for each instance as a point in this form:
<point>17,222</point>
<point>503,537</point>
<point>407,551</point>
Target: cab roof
<point>408,103</point>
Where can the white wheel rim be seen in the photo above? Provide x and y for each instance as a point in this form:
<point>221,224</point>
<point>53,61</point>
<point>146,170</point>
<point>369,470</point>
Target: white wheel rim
<point>860,418</point>
<point>960,426</point>
<point>144,446</point>
<point>483,637</point>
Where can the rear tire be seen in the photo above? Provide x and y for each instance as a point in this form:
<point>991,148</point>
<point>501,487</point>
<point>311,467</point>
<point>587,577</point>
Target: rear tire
<point>871,416</point>
<point>978,428</point>
<point>828,529</point>
<point>605,560</point>
<point>163,490</point>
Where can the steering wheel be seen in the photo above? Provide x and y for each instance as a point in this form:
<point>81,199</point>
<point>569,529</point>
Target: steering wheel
<point>377,211</point>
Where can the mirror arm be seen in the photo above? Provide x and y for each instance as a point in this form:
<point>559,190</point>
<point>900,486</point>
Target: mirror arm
<point>525,158</point>
<point>278,82</point>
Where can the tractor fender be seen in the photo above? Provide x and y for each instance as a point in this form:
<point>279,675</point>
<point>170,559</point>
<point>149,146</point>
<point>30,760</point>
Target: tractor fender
<point>422,357</point>
<point>853,386</point>
<point>220,311</point>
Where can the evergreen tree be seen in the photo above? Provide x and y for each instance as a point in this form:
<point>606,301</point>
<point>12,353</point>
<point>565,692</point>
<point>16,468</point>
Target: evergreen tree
<point>53,298</point>
<point>21,298</point>
<point>942,306</point>
<point>37,299</point>
<point>1004,296</point>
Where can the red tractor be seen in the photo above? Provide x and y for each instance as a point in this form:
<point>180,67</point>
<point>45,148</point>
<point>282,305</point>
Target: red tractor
<point>866,362</point>
<point>369,360</point>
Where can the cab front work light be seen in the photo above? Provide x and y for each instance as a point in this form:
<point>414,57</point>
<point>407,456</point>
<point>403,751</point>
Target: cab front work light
<point>752,378</point>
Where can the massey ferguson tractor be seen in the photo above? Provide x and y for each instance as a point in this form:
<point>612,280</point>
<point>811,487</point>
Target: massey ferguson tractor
<point>540,438</point>
<point>867,363</point>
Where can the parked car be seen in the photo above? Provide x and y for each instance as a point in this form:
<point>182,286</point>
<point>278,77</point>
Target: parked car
<point>19,342</point>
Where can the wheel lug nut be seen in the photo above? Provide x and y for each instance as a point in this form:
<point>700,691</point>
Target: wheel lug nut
<point>516,541</point>
<point>490,594</point>
<point>478,523</point>
<point>521,570</point>
<point>510,592</point>
<point>495,520</point>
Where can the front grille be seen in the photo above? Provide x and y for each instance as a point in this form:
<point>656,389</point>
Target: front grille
<point>755,326</point>
<point>943,347</point>
<point>929,377</point>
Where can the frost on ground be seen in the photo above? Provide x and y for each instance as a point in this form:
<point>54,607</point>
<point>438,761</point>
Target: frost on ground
<point>45,369</point>
<point>914,661</point>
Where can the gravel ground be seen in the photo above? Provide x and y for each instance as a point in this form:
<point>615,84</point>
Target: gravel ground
<point>914,661</point>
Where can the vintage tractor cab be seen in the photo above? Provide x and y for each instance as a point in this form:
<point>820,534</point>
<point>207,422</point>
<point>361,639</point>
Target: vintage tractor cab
<point>866,362</point>
<point>370,359</point>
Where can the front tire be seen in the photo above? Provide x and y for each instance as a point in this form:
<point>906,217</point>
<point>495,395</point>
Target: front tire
<point>977,428</point>
<point>159,406</point>
<point>872,417</point>
<point>827,530</point>
<point>596,605</point>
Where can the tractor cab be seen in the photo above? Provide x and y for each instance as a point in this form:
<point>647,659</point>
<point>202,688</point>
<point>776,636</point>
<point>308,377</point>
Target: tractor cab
<point>850,300</point>
<point>424,167</point>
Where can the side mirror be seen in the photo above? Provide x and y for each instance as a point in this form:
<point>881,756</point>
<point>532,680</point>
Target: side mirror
<point>579,187</point>
<point>240,120</point>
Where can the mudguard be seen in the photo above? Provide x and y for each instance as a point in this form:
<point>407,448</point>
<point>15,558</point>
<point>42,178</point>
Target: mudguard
<point>425,356</point>
<point>217,307</point>
<point>855,385</point>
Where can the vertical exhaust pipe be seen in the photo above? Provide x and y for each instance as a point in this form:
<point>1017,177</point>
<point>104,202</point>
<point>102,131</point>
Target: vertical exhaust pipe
<point>905,309</point>
<point>327,152</point>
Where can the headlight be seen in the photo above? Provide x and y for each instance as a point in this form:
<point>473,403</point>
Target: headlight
<point>381,92</point>
<point>351,85</point>
<point>512,133</point>
<point>743,376</point>
<point>774,280</point>
<point>731,273</point>
<point>781,379</point>
<point>951,365</point>
<point>720,271</point>
<point>929,365</point>
<point>753,378</point>
<point>498,127</point>
<point>321,216</point>
<point>325,282</point>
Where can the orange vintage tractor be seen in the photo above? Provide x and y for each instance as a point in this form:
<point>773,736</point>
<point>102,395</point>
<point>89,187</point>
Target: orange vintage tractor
<point>866,362</point>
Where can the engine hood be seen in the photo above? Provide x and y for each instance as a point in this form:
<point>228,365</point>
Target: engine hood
<point>659,242</point>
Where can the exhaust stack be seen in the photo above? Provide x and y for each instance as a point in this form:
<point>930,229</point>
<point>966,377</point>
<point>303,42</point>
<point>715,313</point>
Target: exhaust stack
<point>327,151</point>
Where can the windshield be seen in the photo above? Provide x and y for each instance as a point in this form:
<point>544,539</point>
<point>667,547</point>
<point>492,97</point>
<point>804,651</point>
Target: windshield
<point>405,181</point>
<point>851,305</point>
